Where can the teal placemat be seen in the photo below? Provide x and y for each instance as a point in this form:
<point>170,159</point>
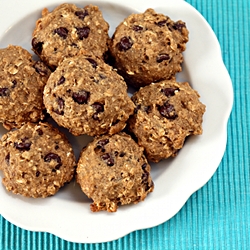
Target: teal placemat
<point>218,215</point>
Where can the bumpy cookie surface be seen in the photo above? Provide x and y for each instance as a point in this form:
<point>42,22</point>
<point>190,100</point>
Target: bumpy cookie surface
<point>147,47</point>
<point>166,113</point>
<point>21,87</point>
<point>68,29</point>
<point>36,160</point>
<point>87,96</point>
<point>113,171</point>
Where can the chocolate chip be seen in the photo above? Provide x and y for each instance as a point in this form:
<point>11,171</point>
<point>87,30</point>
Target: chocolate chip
<point>61,80</point>
<point>93,62</point>
<point>162,57</point>
<point>37,173</point>
<point>51,156</point>
<point>107,158</point>
<point>4,92</point>
<point>39,131</point>
<point>179,25</point>
<point>169,91</point>
<point>81,97</point>
<point>37,46</point>
<point>167,111</point>
<point>7,158</point>
<point>125,43</point>
<point>24,145</point>
<point>81,14</point>
<point>62,32</point>
<point>137,28</point>
<point>56,147</point>
<point>41,68</point>
<point>161,23</point>
<point>82,32</point>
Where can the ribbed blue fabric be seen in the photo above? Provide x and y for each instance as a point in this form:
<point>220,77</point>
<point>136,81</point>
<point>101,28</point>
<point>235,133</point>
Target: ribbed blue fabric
<point>218,215</point>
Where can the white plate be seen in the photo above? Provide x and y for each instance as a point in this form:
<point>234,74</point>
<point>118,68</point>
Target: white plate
<point>67,214</point>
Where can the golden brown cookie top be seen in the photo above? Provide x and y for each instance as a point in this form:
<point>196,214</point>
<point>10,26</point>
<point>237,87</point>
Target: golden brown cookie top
<point>166,113</point>
<point>68,29</point>
<point>147,47</point>
<point>113,171</point>
<point>87,96</point>
<point>36,160</point>
<point>21,86</point>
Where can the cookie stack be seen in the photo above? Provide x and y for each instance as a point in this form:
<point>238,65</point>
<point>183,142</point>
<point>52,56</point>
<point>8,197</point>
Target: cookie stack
<point>81,82</point>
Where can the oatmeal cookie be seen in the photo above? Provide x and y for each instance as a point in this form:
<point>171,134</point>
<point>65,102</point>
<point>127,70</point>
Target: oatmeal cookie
<point>21,87</point>
<point>87,96</point>
<point>113,171</point>
<point>36,160</point>
<point>147,47</point>
<point>166,113</point>
<point>68,29</point>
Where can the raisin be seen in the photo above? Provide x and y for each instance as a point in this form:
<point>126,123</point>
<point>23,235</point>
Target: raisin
<point>41,68</point>
<point>137,108</point>
<point>24,145</point>
<point>162,57</point>
<point>125,43</point>
<point>102,143</point>
<point>81,14</point>
<point>179,25</point>
<point>169,91</point>
<point>51,156</point>
<point>37,173</point>
<point>81,97</point>
<point>93,62</point>
<point>99,108</point>
<point>137,28</point>
<point>122,154</point>
<point>161,23</point>
<point>144,166</point>
<point>39,131</point>
<point>147,109</point>
<point>107,158</point>
<point>4,92</point>
<point>61,80</point>
<point>60,103</point>
<point>14,82</point>
<point>145,176</point>
<point>62,32</point>
<point>82,32</point>
<point>167,111</point>
<point>7,158</point>
<point>37,46</point>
